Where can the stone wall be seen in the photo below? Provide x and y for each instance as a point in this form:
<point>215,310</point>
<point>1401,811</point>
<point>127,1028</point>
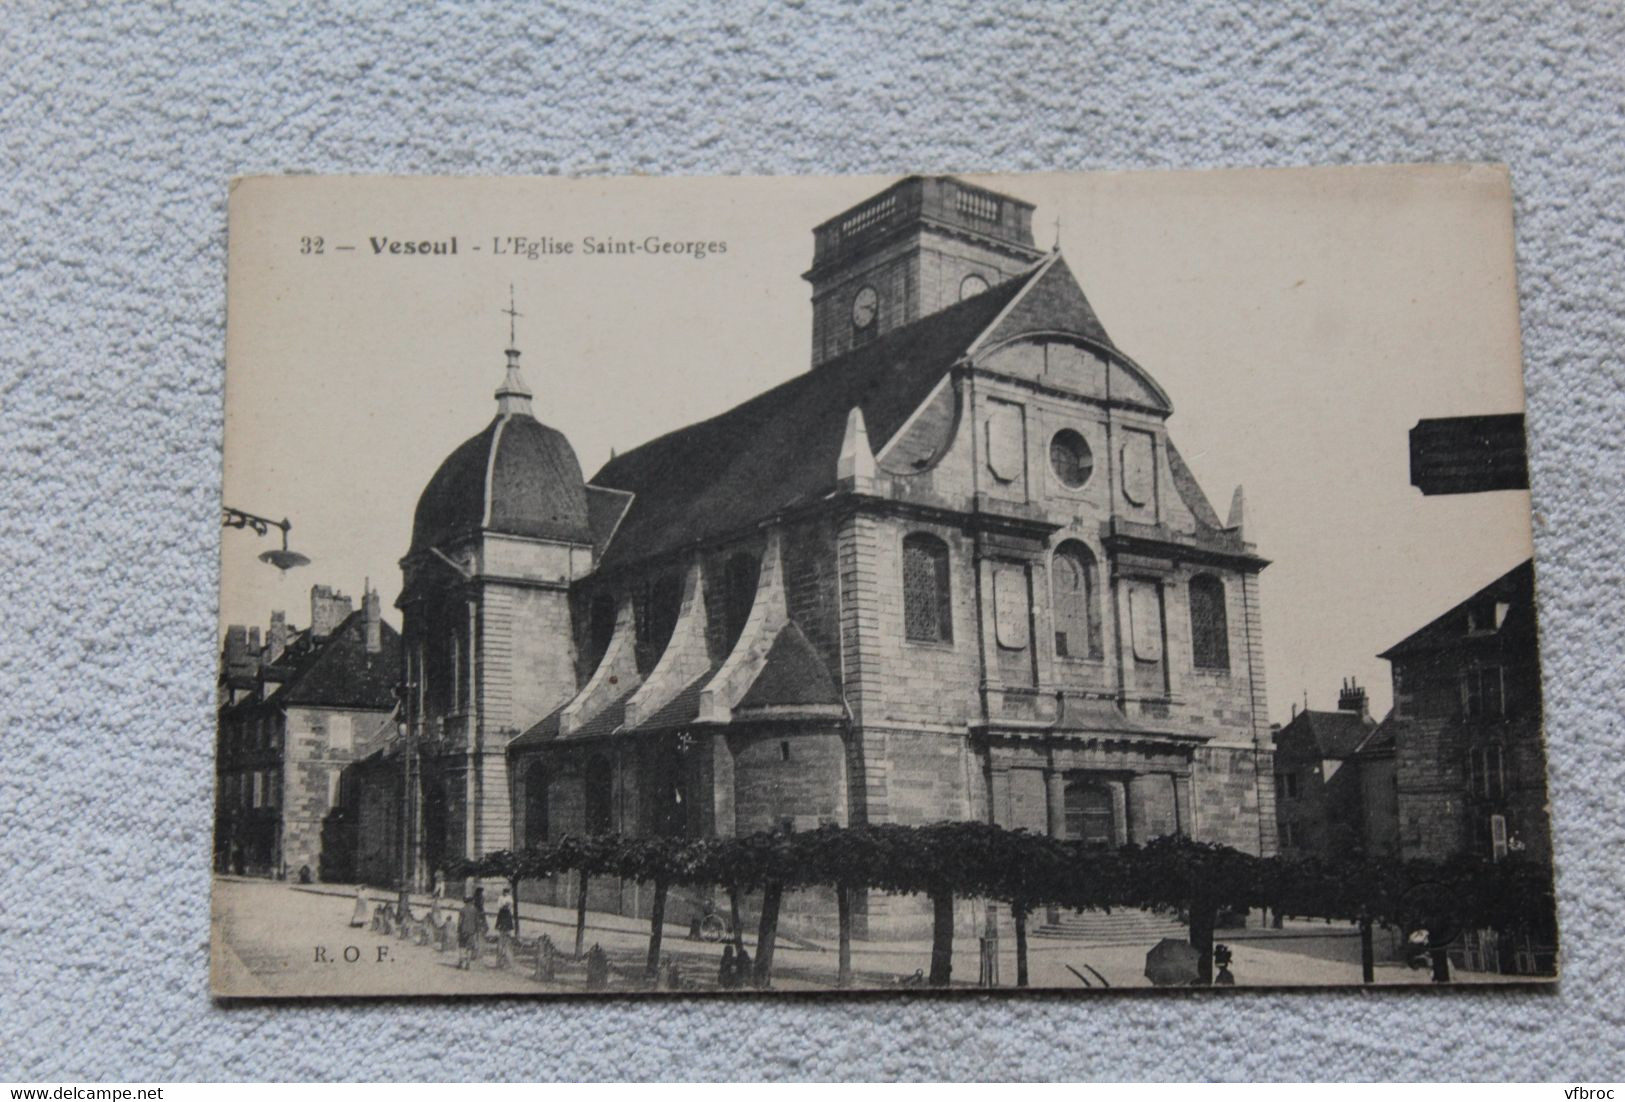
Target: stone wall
<point>317,745</point>
<point>783,775</point>
<point>526,669</point>
<point>1225,785</point>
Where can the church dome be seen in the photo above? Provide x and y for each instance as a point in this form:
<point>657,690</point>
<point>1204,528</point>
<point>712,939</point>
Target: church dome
<point>518,477</point>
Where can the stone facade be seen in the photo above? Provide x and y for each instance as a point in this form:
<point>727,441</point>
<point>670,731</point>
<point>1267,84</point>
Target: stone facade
<point>1469,751</point>
<point>296,713</point>
<point>891,645</point>
<point>1322,759</point>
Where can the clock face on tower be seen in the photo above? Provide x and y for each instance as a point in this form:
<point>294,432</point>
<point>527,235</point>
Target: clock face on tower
<point>865,304</point>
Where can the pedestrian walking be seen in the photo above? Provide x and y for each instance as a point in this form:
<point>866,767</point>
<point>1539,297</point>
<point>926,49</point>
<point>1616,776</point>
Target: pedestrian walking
<point>728,972</point>
<point>742,976</point>
<point>363,910</point>
<point>505,922</point>
<point>507,928</point>
<point>470,929</point>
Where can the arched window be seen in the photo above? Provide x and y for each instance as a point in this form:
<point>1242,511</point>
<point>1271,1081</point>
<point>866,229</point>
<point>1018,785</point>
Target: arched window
<point>1210,628</point>
<point>739,594</point>
<point>656,605</point>
<point>535,805</point>
<point>1077,604</point>
<point>670,796</point>
<point>927,609</point>
<point>600,796</point>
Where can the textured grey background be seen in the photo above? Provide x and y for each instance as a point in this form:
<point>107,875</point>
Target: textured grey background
<point>118,129</point>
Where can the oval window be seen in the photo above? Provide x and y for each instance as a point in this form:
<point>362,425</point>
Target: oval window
<point>1069,454</point>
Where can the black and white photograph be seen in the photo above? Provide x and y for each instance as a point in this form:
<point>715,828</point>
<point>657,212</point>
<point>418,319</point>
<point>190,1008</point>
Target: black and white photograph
<point>1066,582</point>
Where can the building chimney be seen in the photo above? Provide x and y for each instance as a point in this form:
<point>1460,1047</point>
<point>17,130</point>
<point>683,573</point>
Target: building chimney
<point>276,637</point>
<point>237,659</point>
<point>254,641</point>
<point>328,608</point>
<point>370,615</point>
<point>1353,699</point>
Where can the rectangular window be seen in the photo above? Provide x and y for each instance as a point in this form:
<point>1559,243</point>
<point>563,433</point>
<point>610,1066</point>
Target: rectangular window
<point>1486,772</point>
<point>1498,836</point>
<point>927,606</point>
<point>1289,835</point>
<point>1286,786</point>
<point>456,674</point>
<point>1490,691</point>
<point>1482,693</point>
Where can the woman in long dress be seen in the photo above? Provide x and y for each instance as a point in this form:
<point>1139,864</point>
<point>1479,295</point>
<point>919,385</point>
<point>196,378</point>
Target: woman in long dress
<point>470,930</point>
<point>363,910</point>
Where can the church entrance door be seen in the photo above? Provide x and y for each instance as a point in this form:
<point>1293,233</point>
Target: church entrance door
<point>1090,817</point>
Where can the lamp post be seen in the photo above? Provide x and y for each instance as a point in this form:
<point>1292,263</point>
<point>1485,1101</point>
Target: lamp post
<point>283,559</point>
<point>408,807</point>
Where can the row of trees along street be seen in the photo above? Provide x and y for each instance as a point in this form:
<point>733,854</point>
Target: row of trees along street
<point>1029,872</point>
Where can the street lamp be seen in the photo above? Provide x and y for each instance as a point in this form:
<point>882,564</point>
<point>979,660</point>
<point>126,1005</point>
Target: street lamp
<point>283,559</point>
<point>403,729</point>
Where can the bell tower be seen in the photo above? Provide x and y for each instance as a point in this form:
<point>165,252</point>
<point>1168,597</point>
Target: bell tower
<point>918,247</point>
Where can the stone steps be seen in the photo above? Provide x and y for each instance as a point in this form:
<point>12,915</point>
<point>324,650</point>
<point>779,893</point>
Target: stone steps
<point>1120,927</point>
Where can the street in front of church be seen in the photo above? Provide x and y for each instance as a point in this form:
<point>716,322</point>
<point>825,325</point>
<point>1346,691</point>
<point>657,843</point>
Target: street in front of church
<point>274,939</point>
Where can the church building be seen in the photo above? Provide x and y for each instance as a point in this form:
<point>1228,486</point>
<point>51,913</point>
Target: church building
<point>956,569</point>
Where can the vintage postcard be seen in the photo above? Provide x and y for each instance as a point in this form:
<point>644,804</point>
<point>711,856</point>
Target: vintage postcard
<point>1071,582</point>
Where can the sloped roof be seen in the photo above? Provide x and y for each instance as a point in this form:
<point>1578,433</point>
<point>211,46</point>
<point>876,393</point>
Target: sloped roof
<point>794,674</point>
<point>1515,588</point>
<point>1335,734</point>
<point>1190,491</point>
<point>519,473</point>
<point>335,671</point>
<point>1383,736</point>
<point>682,709</point>
<point>342,674</point>
<point>541,732</point>
<point>779,449</point>
<point>1062,296</point>
<point>605,510</point>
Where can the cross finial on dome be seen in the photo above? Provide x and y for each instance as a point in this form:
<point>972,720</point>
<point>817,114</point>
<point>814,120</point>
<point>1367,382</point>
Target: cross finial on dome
<point>512,314</point>
<point>513,396</point>
<point>1057,246</point>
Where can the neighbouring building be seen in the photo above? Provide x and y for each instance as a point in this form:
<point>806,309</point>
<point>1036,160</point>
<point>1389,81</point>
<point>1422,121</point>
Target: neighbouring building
<point>956,570</point>
<point>294,705</point>
<point>1320,786</point>
<point>1468,752</point>
<point>1466,728</point>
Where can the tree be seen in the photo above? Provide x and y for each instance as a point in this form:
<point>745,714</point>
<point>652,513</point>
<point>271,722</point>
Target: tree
<point>588,855</point>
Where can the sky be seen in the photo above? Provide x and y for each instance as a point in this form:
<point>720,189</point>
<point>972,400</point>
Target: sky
<point>1302,320</point>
